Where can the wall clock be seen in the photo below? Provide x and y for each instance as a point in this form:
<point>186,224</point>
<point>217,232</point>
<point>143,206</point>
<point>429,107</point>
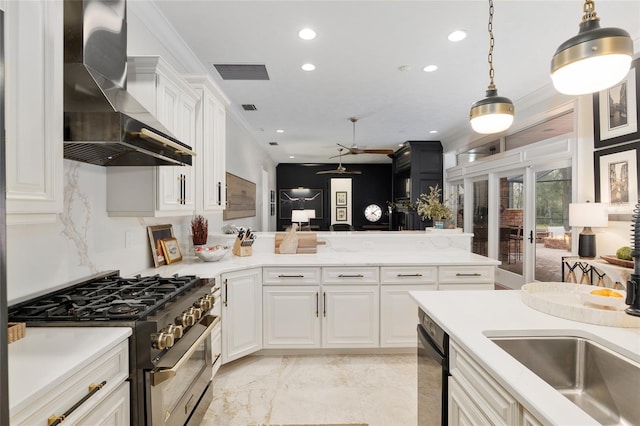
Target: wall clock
<point>373,212</point>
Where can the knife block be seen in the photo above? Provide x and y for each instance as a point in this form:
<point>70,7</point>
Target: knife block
<point>240,250</point>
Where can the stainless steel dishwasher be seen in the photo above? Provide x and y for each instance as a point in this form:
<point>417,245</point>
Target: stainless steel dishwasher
<point>433,372</point>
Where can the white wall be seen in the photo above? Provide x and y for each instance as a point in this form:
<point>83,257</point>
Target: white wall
<point>84,240</point>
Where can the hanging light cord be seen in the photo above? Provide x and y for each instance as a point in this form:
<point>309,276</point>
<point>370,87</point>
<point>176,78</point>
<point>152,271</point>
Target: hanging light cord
<point>491,44</point>
<point>589,10</point>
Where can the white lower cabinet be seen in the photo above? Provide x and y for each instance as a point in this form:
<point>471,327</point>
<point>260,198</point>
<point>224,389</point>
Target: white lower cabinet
<point>350,316</point>
<point>398,312</point>
<point>477,398</point>
<point>291,316</point>
<point>241,313</point>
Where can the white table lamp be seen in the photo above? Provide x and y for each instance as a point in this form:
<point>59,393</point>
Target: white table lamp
<point>588,215</point>
<point>299,216</point>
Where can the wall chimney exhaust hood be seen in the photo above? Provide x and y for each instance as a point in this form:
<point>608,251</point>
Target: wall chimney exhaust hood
<point>104,124</point>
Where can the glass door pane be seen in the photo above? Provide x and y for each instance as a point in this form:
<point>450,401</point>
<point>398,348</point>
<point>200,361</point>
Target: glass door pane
<point>553,236</point>
<point>511,222</point>
<point>480,216</point>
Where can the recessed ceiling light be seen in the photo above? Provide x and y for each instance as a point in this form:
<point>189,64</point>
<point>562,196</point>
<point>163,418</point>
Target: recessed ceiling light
<point>433,131</point>
<point>279,131</point>
<point>457,35</point>
<point>430,68</point>
<point>308,67</point>
<point>307,34</point>
<point>292,156</point>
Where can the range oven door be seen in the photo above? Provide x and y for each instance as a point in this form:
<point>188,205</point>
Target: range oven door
<point>180,381</point>
<point>433,376</point>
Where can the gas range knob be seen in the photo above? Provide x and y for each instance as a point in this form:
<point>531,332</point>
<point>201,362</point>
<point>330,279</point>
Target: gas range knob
<point>196,312</point>
<point>162,340</point>
<point>175,330</point>
<point>203,303</point>
<point>185,319</point>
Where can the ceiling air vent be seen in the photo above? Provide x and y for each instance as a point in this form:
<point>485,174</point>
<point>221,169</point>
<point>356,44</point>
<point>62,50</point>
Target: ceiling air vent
<point>249,107</point>
<point>242,72</point>
<point>273,143</point>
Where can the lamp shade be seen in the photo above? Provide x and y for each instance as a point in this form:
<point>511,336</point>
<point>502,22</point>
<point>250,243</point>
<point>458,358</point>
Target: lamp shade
<point>311,213</point>
<point>492,114</point>
<point>595,59</point>
<point>298,216</point>
<point>588,214</point>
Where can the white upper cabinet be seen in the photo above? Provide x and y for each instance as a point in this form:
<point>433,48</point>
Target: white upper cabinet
<point>210,144</point>
<point>162,190</point>
<point>34,110</point>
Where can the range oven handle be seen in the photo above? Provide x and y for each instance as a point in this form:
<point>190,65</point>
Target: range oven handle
<point>160,376</point>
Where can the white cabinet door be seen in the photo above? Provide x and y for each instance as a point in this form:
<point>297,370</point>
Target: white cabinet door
<point>291,316</point>
<point>350,316</point>
<point>462,410</point>
<point>241,313</point>
<point>34,110</point>
<point>399,315</point>
<point>163,190</point>
<point>210,144</point>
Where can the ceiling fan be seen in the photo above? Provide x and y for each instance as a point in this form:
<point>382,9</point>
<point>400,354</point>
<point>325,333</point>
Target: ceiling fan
<point>354,150</point>
<point>340,170</point>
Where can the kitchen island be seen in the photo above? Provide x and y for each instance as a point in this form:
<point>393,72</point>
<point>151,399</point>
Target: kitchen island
<point>476,316</point>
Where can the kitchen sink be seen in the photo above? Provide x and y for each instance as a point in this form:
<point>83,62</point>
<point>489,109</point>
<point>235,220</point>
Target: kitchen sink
<point>604,384</point>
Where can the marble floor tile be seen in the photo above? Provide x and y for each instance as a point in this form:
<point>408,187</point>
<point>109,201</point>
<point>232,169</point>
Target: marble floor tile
<point>379,390</point>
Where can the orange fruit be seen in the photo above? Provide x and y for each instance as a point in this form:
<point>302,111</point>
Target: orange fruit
<point>614,294</point>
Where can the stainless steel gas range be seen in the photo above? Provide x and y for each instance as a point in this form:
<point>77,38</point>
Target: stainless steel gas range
<point>172,320</point>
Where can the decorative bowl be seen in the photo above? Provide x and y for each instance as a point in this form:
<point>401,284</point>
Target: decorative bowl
<point>617,303</point>
<point>211,254</point>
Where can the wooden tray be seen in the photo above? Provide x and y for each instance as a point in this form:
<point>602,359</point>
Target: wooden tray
<point>307,242</point>
<point>620,262</point>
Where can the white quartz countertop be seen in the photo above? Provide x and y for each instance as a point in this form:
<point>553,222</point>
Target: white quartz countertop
<point>470,316</point>
<point>194,266</point>
<point>46,356</point>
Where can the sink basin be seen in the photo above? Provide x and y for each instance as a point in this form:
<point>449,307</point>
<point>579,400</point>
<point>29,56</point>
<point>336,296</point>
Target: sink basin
<point>602,383</point>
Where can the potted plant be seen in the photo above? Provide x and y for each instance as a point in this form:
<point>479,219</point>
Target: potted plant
<point>430,207</point>
<point>199,230</point>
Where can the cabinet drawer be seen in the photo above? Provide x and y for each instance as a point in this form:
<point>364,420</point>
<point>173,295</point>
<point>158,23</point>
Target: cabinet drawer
<point>354,275</point>
<point>293,276</point>
<point>495,401</point>
<point>112,367</point>
<point>409,275</point>
<point>466,274</point>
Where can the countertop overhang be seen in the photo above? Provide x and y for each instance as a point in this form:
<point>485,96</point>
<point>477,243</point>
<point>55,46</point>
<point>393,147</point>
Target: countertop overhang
<point>471,317</point>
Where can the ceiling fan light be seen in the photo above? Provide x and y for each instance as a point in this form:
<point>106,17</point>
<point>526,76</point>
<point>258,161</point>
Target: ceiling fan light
<point>593,60</point>
<point>492,114</point>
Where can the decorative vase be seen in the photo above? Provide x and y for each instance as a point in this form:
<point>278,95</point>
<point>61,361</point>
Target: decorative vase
<point>438,224</point>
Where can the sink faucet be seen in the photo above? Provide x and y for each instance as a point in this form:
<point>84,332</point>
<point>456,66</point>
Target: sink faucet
<point>633,285</point>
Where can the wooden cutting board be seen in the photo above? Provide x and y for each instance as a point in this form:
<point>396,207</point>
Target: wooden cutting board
<point>307,242</point>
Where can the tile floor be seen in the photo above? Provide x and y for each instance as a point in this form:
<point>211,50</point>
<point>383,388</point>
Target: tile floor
<point>379,390</point>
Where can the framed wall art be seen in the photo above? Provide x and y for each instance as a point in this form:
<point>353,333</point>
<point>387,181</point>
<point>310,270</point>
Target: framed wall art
<point>341,198</point>
<point>171,250</point>
<point>616,178</point>
<point>241,198</point>
<point>156,234</point>
<point>341,214</point>
<point>616,112</point>
<point>300,199</point>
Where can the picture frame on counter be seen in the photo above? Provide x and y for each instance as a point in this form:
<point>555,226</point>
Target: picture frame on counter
<point>156,234</point>
<point>171,250</point>
<point>616,111</point>
<point>616,178</point>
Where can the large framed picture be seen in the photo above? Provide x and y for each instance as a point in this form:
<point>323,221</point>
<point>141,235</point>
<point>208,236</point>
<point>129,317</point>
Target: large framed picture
<point>156,234</point>
<point>616,112</point>
<point>616,177</point>
<point>300,199</point>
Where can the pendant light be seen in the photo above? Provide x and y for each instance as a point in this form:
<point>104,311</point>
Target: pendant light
<point>595,59</point>
<point>494,113</point>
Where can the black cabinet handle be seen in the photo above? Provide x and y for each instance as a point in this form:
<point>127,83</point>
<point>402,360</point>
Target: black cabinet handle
<point>219,193</point>
<point>290,276</point>
<point>317,305</point>
<point>56,420</point>
<point>475,274</point>
<point>350,276</point>
<point>531,236</point>
<point>409,275</point>
<point>324,305</point>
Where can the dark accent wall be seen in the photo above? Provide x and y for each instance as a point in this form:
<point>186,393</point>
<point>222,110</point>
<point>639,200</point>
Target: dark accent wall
<point>372,186</point>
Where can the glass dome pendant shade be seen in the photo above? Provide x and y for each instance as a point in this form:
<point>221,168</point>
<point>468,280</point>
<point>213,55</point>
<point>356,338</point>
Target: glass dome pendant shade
<point>494,113</point>
<point>595,59</point>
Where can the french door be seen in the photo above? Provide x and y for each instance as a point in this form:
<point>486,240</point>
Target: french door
<point>531,233</point>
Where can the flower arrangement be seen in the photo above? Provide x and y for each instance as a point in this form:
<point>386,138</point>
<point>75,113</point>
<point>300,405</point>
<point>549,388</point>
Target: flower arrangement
<point>430,207</point>
<point>199,230</point>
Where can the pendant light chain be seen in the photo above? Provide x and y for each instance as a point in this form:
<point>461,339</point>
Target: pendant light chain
<point>491,44</point>
<point>589,9</point>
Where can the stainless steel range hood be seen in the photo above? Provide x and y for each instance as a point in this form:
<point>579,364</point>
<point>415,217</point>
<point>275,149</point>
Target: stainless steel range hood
<point>104,124</point>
